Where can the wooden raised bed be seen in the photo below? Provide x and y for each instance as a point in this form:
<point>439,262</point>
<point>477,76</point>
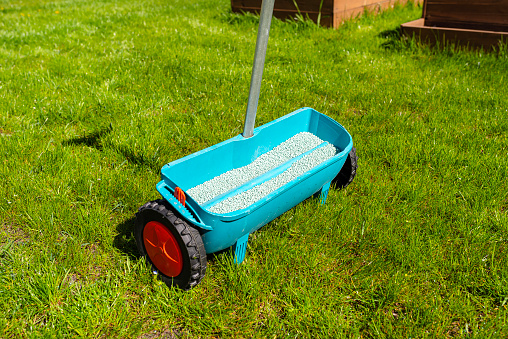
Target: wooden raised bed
<point>333,12</point>
<point>483,15</point>
<point>475,23</point>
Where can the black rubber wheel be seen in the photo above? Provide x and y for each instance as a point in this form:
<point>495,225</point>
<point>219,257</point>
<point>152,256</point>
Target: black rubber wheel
<point>173,247</point>
<point>348,171</point>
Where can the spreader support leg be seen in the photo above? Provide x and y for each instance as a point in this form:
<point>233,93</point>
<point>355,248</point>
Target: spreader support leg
<point>241,248</point>
<point>324,192</point>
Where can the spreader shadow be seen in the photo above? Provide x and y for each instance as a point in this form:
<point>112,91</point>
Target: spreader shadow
<point>393,38</point>
<point>230,252</point>
<point>93,139</point>
<point>124,240</point>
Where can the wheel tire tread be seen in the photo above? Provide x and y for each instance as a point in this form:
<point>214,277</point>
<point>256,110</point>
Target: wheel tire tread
<point>348,172</point>
<point>190,237</point>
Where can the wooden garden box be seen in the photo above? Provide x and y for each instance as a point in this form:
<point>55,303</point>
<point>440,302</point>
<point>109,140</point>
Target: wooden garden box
<point>485,15</point>
<point>481,23</point>
<point>333,12</point>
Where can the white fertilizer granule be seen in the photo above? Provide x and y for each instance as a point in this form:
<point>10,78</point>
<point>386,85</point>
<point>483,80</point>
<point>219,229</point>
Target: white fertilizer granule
<point>289,149</point>
<point>258,192</point>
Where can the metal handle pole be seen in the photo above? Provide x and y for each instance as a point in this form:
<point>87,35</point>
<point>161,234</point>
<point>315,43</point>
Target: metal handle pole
<point>265,20</point>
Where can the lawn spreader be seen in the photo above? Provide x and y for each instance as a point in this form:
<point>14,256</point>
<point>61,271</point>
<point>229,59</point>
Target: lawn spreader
<point>213,199</point>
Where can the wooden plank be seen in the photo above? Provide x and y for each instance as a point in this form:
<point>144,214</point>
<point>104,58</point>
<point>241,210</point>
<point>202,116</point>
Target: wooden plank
<point>311,6</point>
<point>458,36</point>
<point>348,12</point>
<point>285,9</point>
<point>344,5</point>
<point>472,14</point>
<point>333,12</point>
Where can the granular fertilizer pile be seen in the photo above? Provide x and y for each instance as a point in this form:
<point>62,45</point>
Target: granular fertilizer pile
<point>291,148</point>
<point>298,168</point>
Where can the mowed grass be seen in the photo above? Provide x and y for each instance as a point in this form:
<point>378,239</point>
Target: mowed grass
<point>96,96</point>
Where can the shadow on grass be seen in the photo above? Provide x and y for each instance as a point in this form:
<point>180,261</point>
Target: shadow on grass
<point>93,139</point>
<point>230,251</point>
<point>125,241</point>
<point>139,159</point>
<point>393,38</point>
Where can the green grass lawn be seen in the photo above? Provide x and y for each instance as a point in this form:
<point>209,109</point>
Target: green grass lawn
<point>96,96</point>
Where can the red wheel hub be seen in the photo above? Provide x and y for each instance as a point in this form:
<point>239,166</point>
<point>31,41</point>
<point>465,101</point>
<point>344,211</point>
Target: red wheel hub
<point>162,248</point>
